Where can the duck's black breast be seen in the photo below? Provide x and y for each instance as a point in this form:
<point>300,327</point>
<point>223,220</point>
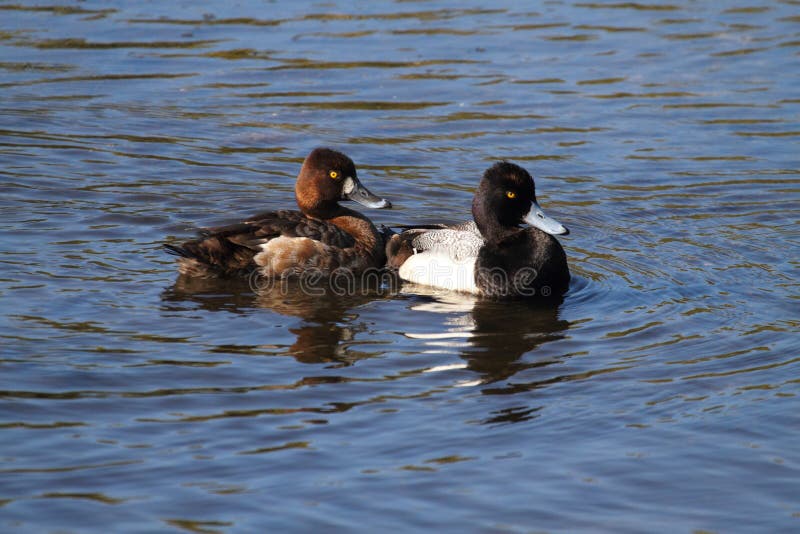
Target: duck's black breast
<point>530,263</point>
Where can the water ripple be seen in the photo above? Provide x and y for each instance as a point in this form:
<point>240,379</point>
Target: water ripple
<point>666,142</point>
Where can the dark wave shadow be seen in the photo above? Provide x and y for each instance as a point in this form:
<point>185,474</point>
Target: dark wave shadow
<point>504,331</point>
<point>503,334</point>
<point>491,336</point>
<point>329,316</point>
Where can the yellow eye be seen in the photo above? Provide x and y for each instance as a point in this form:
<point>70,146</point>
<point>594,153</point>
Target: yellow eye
<point>333,174</point>
<point>511,194</point>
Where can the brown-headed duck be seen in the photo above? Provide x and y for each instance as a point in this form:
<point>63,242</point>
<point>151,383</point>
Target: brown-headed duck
<point>322,237</point>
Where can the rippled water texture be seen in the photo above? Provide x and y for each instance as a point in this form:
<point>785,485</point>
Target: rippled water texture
<point>661,395</point>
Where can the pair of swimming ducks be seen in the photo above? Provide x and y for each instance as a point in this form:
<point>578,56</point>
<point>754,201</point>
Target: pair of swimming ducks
<point>492,255</point>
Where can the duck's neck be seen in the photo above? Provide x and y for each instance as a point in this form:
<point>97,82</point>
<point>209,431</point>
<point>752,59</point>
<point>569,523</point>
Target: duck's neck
<point>493,232</point>
<point>316,209</point>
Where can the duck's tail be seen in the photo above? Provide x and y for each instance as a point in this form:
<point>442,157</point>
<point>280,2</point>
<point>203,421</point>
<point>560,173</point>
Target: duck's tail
<point>176,250</point>
<point>399,246</point>
<point>211,257</point>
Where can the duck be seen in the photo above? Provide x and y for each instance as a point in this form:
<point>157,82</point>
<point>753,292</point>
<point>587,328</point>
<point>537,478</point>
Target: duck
<point>493,255</point>
<point>321,238</point>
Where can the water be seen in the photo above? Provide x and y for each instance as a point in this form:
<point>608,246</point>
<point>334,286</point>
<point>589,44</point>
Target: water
<point>661,395</point>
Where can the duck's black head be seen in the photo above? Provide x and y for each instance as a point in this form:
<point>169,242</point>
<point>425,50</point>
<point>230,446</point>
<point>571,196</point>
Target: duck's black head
<point>505,199</point>
<point>326,177</point>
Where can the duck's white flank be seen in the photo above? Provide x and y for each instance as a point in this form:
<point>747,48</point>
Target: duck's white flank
<point>440,269</point>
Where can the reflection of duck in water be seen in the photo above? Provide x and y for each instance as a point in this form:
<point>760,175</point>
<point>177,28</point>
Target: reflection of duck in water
<point>491,336</point>
<point>504,332</point>
<point>329,320</point>
<point>323,237</point>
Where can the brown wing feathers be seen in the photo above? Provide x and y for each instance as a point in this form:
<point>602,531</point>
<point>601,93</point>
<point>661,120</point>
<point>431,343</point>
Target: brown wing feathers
<point>229,250</point>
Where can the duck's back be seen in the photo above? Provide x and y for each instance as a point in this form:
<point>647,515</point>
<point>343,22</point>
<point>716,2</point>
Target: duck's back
<point>459,242</point>
<point>462,241</point>
<point>232,250</point>
<point>292,223</point>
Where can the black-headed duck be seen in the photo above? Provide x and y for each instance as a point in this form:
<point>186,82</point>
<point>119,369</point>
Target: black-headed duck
<point>492,255</point>
<point>322,237</point>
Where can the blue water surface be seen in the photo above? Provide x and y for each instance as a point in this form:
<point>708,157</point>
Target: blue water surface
<point>660,396</point>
